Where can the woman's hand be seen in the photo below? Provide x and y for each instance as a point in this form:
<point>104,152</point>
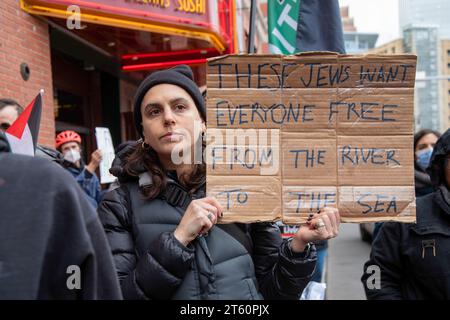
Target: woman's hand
<point>200,216</point>
<point>320,226</point>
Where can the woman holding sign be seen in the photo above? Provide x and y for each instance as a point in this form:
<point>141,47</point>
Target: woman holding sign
<point>162,229</point>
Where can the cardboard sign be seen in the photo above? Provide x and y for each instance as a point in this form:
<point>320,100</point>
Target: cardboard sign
<point>288,135</point>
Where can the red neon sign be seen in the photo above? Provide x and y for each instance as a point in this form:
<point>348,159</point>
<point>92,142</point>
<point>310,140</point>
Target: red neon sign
<point>180,53</point>
<point>226,22</point>
<point>161,65</point>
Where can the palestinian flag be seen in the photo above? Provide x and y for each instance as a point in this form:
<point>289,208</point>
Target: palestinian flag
<point>305,25</point>
<point>23,133</point>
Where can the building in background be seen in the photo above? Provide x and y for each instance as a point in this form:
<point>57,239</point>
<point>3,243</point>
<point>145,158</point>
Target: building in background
<point>355,42</point>
<point>89,56</point>
<point>444,81</point>
<point>423,41</point>
<point>426,32</point>
<point>426,12</point>
<point>391,47</point>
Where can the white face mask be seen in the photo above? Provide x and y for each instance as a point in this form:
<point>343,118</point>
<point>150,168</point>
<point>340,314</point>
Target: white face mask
<point>72,156</point>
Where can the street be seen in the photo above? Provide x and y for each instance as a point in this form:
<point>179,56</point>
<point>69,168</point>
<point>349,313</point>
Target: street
<point>346,256</point>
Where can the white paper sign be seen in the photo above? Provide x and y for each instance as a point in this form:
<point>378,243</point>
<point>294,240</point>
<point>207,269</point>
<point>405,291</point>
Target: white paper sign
<point>104,143</point>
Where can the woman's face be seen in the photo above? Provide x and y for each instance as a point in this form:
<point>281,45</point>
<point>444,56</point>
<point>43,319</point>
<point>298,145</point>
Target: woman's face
<point>426,142</point>
<point>169,117</point>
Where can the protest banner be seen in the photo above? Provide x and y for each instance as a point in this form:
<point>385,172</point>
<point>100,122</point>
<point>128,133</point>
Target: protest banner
<point>288,135</point>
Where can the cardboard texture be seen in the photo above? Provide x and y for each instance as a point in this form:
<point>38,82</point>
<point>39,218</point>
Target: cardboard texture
<point>375,160</point>
<point>296,133</point>
<point>244,71</point>
<point>243,152</point>
<point>308,161</point>
<point>307,109</point>
<point>373,111</point>
<point>247,199</point>
<point>370,204</point>
<point>246,108</point>
<point>299,201</point>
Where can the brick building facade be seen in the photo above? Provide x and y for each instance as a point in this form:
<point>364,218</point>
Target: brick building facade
<point>25,39</point>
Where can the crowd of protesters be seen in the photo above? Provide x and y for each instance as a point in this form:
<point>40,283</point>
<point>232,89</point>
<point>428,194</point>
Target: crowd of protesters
<point>154,234</point>
<point>163,246</point>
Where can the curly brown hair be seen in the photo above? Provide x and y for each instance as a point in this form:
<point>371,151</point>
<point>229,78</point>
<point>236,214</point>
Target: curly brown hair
<point>146,159</point>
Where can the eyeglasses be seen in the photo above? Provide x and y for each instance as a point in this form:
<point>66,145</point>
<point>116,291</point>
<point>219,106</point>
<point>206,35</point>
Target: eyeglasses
<point>4,126</point>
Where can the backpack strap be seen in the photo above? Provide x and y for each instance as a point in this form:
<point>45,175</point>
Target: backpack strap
<point>178,197</point>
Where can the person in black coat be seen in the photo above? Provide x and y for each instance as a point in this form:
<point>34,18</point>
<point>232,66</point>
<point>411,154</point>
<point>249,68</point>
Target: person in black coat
<point>424,142</point>
<point>52,244</point>
<point>413,260</point>
<point>162,229</point>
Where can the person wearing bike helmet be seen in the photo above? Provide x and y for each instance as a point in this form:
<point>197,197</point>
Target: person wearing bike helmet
<point>69,144</point>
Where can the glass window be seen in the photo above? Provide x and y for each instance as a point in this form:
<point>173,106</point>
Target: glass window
<point>69,108</point>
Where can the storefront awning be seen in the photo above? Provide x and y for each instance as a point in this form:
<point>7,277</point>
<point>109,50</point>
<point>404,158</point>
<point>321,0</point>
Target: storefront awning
<point>208,20</point>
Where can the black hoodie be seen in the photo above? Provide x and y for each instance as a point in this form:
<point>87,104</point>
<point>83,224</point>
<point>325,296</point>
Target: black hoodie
<point>49,234</point>
<point>437,161</point>
<point>414,259</point>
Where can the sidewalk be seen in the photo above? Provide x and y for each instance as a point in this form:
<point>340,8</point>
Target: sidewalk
<point>344,266</point>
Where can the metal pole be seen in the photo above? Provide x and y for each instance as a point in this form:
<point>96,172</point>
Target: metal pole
<point>251,34</point>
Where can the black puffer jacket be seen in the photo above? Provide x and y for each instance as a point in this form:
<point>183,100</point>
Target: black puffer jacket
<point>152,264</point>
<point>414,259</point>
<point>422,182</point>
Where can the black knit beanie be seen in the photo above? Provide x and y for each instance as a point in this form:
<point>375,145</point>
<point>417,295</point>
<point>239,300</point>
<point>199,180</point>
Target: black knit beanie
<point>180,76</point>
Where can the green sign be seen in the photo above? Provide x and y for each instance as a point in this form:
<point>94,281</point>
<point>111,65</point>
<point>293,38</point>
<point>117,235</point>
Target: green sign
<point>283,16</point>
